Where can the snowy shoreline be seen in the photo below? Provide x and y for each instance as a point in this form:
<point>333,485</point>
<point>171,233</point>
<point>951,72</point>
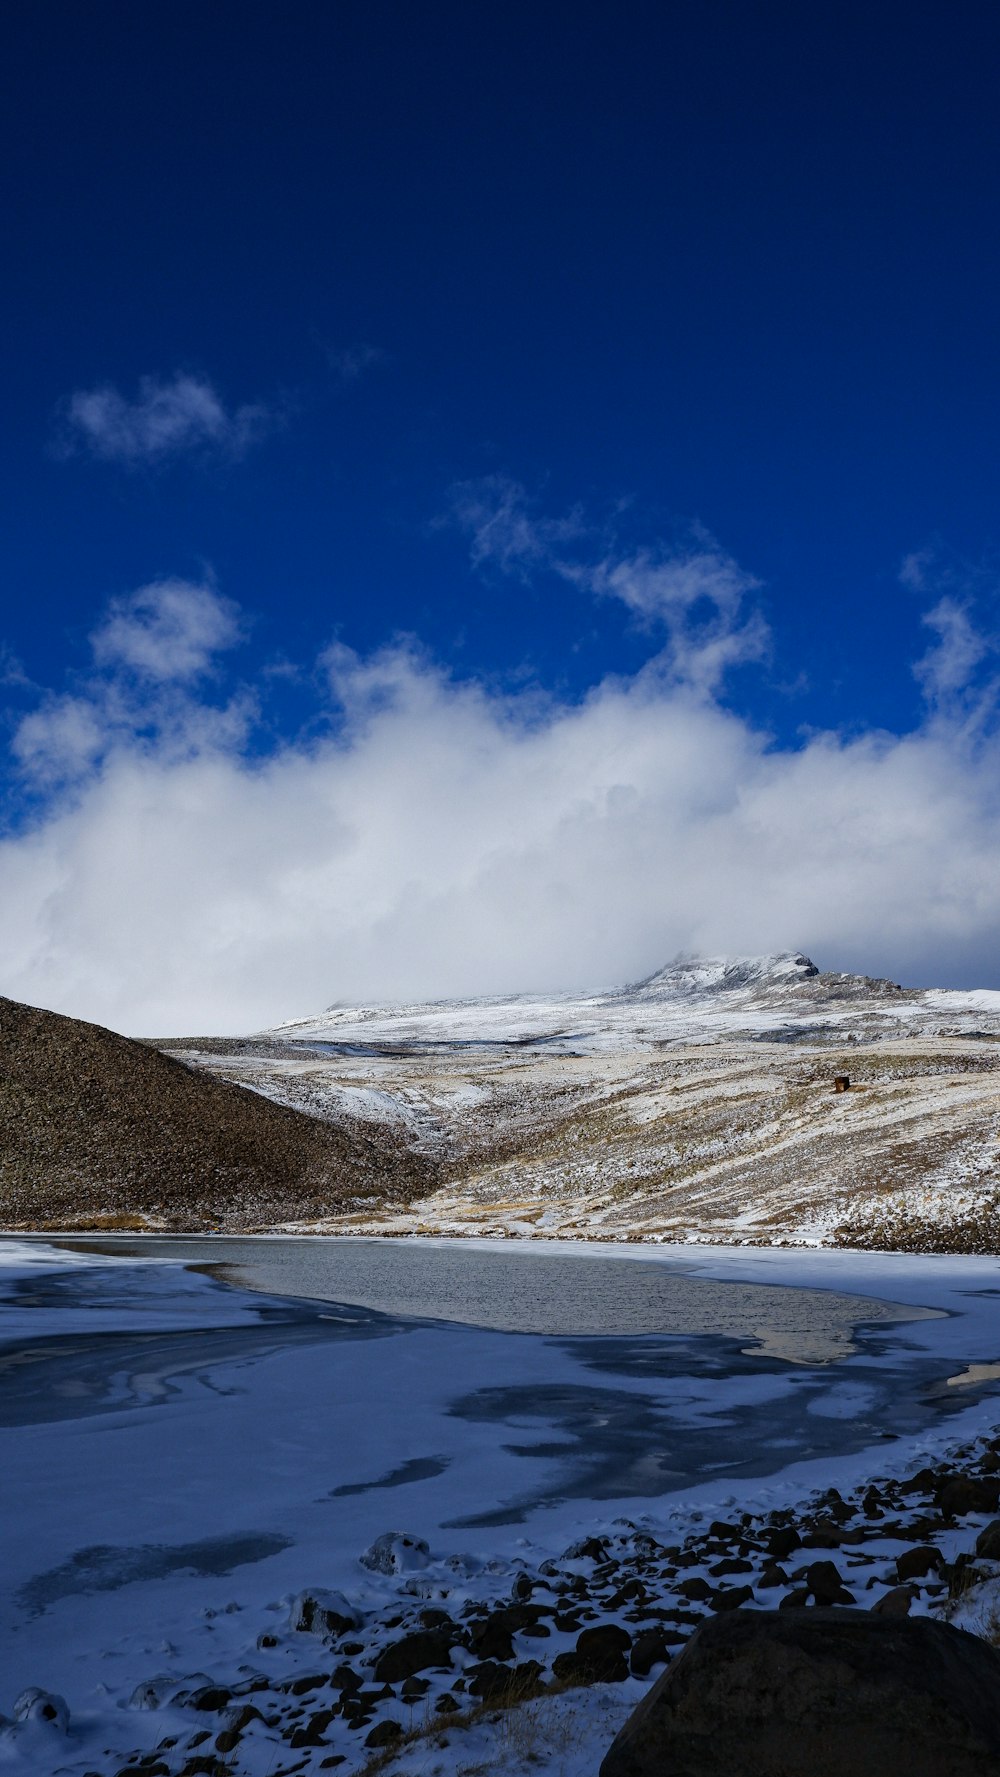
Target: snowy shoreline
<point>209,1626</point>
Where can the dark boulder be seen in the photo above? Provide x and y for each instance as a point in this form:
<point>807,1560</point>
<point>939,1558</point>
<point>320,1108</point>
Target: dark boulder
<point>496,1683</point>
<point>385,1734</point>
<point>825,1584</point>
<point>414,1653</point>
<point>988,1541</point>
<point>782,1542</point>
<point>651,1648</point>
<point>834,1693</point>
<point>915,1564</point>
<point>599,1657</point>
<point>962,1494</point>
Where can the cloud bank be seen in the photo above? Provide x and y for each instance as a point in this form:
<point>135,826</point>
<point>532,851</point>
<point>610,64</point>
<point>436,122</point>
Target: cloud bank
<point>443,838</point>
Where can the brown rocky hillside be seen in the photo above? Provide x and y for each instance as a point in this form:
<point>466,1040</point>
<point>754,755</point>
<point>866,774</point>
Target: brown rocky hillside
<point>98,1130</point>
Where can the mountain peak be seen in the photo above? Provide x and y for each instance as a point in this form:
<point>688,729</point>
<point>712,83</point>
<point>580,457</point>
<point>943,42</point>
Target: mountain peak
<point>687,976</point>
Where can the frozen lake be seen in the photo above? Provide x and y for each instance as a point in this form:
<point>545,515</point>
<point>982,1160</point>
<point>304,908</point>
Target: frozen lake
<point>182,1449</point>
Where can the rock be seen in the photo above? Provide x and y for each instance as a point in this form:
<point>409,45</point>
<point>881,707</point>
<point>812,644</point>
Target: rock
<point>395,1552</point>
<point>830,1692</point>
<point>598,1658</point>
<point>783,1542</point>
<point>322,1613</point>
<point>152,1693</point>
<point>506,1684</point>
<point>825,1533</point>
<point>414,1653</point>
<point>988,1541</point>
<point>385,1734</point>
<point>491,1638</point>
<point>796,1599</point>
<point>732,1564</point>
<point>44,1706</point>
<point>210,1697</point>
<point>649,1649</point>
<point>446,1704</point>
<point>924,1481</point>
<point>913,1564</point>
<point>962,1494</point>
<point>732,1597</point>
<point>697,1589</point>
<point>771,1575</point>
<point>895,1603</point>
<point>824,1582</point>
<point>310,1681</point>
<point>589,1548</point>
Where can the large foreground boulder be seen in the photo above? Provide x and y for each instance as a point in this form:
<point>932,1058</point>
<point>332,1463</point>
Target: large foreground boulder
<point>828,1692</point>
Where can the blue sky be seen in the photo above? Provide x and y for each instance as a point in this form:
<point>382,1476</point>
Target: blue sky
<point>641,352</point>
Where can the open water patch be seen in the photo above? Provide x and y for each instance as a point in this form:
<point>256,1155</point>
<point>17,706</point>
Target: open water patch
<point>105,1568</point>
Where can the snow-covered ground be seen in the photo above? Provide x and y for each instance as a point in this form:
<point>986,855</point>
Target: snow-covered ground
<point>699,1104</point>
<point>181,1458</point>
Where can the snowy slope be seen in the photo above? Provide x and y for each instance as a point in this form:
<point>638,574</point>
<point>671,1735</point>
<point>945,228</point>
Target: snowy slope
<point>697,1104</point>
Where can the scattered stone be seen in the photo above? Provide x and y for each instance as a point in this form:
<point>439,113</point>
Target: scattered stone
<point>395,1552</point>
<point>414,1653</point>
<point>926,1480</point>
<point>298,1687</point>
<point>825,1584</point>
<point>598,1658</point>
<point>770,1576</point>
<point>962,1494</point>
<point>322,1613</point>
<point>988,1541</point>
<point>895,1603</point>
<point>44,1706</point>
<point>783,1542</point>
<point>915,1563</point>
<point>697,1589</point>
<point>211,1697</point>
<point>650,1649</point>
<point>835,1693</point>
<point>731,1597</point>
<point>385,1734</point>
<point>589,1548</point>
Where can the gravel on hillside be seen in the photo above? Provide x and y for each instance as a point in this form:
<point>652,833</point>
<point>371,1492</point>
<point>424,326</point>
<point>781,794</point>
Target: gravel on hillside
<point>98,1130</point>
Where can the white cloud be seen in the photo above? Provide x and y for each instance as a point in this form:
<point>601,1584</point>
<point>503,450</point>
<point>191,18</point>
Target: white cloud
<point>168,418</point>
<point>694,592</point>
<point>149,652</point>
<point>168,630</point>
<point>448,839</point>
<point>948,670</point>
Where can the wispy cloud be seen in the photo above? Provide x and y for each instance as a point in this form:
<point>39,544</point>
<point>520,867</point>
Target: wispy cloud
<point>958,675</point>
<point>169,630</point>
<point>693,591</point>
<point>351,362</point>
<point>181,415</point>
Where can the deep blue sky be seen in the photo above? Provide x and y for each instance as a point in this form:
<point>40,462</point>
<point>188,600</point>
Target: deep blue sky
<point>730,263</point>
<point>621,355</point>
